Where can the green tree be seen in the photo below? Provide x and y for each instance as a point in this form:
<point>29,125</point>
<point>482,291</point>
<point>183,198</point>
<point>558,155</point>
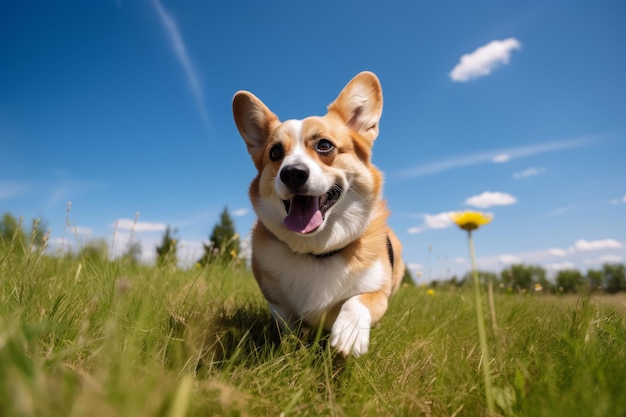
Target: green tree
<point>407,278</point>
<point>615,277</point>
<point>569,280</point>
<point>166,251</point>
<point>12,235</point>
<point>224,241</point>
<point>484,277</point>
<point>595,278</point>
<point>522,276</point>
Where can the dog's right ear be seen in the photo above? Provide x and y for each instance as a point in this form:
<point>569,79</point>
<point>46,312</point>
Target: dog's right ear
<point>254,121</point>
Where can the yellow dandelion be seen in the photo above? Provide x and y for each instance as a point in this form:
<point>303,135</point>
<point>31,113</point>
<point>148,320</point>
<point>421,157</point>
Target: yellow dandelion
<point>470,220</point>
<point>233,253</point>
<point>198,265</point>
<point>538,287</point>
<point>431,292</point>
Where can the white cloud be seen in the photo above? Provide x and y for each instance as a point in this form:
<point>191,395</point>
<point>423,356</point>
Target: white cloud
<point>561,266</point>
<point>414,266</point>
<point>137,226</point>
<point>530,172</point>
<point>484,60</point>
<point>415,230</point>
<point>489,199</point>
<point>188,251</point>
<point>495,156</point>
<point>503,157</point>
<point>509,259</point>
<point>582,245</point>
<point>60,243</point>
<point>557,252</point>
<point>438,221</point>
<point>180,50</point>
<point>432,221</point>
<point>240,212</point>
<point>624,199</point>
<point>82,231</point>
<point>605,259</point>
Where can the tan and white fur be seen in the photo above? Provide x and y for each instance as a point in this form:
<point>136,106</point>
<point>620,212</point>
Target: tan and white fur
<point>321,249</point>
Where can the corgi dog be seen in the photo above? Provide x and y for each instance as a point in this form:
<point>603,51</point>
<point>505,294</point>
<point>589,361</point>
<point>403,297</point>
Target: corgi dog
<point>322,252</point>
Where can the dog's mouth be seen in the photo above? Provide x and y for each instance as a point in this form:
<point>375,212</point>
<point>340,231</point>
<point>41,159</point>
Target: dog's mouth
<point>305,213</point>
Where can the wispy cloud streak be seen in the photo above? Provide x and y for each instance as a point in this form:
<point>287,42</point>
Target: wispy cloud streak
<point>180,50</point>
<point>493,156</point>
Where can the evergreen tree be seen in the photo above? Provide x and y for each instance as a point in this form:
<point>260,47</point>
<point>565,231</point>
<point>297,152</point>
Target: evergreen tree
<point>407,278</point>
<point>166,252</point>
<point>224,241</point>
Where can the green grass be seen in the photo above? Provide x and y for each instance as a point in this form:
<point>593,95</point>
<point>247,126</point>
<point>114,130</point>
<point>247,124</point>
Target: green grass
<point>93,338</point>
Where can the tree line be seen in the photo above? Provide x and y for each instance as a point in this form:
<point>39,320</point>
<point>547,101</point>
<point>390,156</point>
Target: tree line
<point>610,278</point>
<point>223,247</point>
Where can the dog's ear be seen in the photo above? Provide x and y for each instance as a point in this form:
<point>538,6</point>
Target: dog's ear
<point>254,121</point>
<point>360,104</point>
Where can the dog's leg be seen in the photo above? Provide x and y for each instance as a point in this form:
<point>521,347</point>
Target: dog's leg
<point>351,331</point>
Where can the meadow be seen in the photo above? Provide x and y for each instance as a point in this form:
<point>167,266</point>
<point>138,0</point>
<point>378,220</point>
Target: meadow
<point>99,338</point>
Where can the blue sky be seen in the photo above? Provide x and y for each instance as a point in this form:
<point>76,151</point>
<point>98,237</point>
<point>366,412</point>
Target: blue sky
<point>516,109</point>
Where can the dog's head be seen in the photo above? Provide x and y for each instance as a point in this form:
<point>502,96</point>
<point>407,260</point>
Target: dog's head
<point>316,187</point>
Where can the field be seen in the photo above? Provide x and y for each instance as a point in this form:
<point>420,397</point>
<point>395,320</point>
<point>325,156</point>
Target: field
<point>88,337</point>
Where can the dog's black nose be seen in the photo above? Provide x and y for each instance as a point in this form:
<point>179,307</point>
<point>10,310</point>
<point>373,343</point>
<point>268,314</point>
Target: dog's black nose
<point>294,176</point>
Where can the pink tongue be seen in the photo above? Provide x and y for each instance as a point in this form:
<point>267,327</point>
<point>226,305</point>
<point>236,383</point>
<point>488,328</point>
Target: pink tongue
<point>304,214</point>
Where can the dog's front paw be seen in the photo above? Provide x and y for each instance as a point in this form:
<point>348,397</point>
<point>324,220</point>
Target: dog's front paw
<point>350,333</point>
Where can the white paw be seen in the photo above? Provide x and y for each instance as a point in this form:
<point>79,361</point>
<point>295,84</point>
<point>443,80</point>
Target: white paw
<point>350,333</point>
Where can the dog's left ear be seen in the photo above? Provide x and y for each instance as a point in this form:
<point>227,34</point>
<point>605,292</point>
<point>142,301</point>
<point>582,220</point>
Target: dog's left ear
<point>360,104</point>
<point>254,121</point>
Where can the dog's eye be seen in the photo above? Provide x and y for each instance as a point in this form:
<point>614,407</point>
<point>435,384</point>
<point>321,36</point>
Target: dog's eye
<point>324,146</point>
<point>277,152</point>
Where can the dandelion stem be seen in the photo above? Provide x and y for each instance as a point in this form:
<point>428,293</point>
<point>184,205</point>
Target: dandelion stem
<point>492,307</point>
<point>480,319</point>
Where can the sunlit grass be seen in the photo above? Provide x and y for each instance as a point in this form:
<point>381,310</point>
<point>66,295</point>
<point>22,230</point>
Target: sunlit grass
<point>95,338</point>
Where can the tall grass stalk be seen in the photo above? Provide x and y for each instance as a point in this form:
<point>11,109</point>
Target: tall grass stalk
<point>480,321</point>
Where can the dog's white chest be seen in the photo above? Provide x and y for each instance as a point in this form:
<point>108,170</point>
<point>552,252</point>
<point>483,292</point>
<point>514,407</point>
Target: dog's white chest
<point>310,285</point>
